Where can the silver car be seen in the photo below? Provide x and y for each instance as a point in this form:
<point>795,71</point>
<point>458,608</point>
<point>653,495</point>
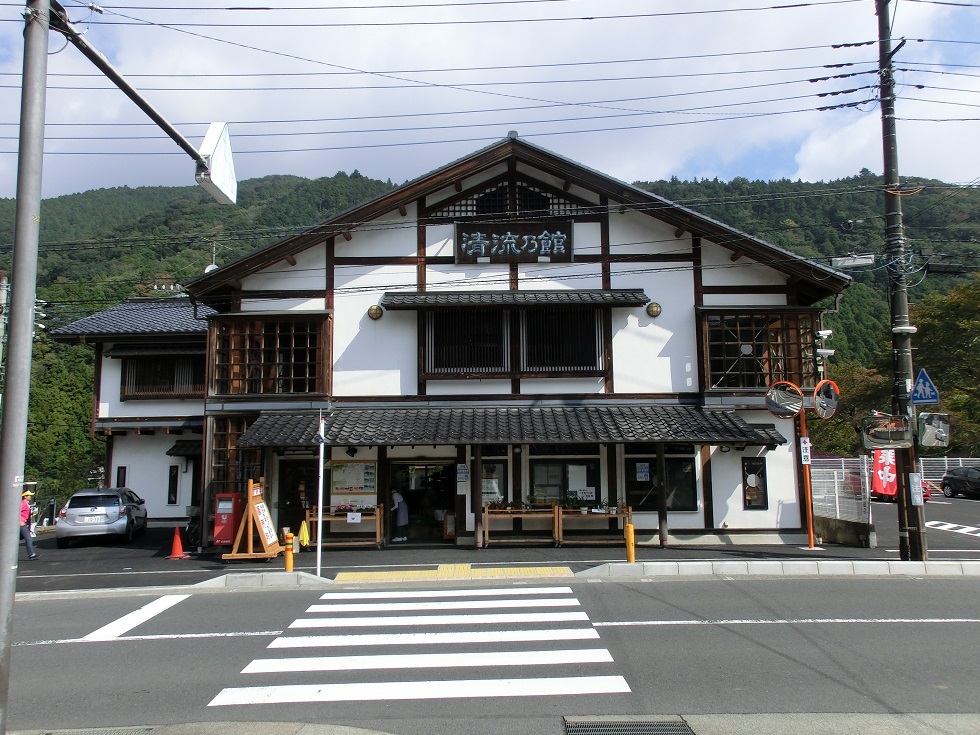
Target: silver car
<point>114,511</point>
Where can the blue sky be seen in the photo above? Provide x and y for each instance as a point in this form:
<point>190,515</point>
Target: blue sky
<point>646,89</point>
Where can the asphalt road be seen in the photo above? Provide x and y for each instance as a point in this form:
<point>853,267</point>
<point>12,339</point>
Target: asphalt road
<point>366,657</point>
<point>103,563</point>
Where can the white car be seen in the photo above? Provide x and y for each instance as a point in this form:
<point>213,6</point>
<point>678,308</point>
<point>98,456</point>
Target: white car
<point>112,511</point>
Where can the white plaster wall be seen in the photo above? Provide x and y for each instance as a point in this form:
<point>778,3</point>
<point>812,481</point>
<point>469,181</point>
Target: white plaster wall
<point>744,300</point>
<point>389,235</point>
<point>719,270</point>
<point>558,386</point>
<point>373,357</point>
<point>280,306</point>
<point>148,471</point>
<point>467,278</point>
<point>559,276</point>
<point>781,470</point>
<point>111,407</point>
<point>656,355</point>
<point>308,273</point>
<point>632,233</point>
<point>440,241</point>
<point>467,387</point>
<point>586,238</point>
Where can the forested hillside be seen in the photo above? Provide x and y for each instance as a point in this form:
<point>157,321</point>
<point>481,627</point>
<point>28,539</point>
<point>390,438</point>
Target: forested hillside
<point>102,246</point>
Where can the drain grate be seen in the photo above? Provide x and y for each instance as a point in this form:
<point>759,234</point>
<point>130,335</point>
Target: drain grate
<point>103,731</point>
<point>625,726</point>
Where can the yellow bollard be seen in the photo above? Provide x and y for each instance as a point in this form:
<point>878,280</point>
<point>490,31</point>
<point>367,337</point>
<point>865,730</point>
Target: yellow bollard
<point>630,544</point>
<point>289,552</point>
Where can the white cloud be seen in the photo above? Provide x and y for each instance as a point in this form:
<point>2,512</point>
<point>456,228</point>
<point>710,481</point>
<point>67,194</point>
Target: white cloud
<point>713,98</point>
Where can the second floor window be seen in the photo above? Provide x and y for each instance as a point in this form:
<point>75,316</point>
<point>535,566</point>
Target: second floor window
<point>502,342</point>
<point>267,356</point>
<point>160,376</point>
<point>753,350</point>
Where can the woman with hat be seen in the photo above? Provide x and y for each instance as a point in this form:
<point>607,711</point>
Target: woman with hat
<point>25,523</point>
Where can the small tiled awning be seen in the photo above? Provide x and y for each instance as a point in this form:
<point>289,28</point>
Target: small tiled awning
<point>394,300</point>
<point>404,426</point>
<point>186,448</point>
<point>157,350</point>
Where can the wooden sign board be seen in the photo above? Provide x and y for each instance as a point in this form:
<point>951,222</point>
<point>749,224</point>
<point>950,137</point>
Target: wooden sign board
<point>256,523</point>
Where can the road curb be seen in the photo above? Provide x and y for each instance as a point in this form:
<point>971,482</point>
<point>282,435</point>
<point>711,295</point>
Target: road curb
<point>794,568</point>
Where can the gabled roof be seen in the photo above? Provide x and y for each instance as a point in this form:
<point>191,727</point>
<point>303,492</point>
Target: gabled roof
<point>813,280</point>
<point>170,317</point>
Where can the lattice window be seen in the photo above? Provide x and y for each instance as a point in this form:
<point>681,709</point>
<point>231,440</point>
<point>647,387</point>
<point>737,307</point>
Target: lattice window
<point>549,341</point>
<point>754,350</point>
<point>531,201</point>
<point>160,376</point>
<point>267,356</point>
<point>232,467</point>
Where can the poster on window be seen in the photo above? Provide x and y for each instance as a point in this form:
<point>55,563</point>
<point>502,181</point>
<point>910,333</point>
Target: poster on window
<point>884,476</point>
<point>353,478</point>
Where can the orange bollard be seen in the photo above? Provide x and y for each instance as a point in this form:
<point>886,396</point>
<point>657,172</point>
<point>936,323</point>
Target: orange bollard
<point>289,552</point>
<point>630,544</point>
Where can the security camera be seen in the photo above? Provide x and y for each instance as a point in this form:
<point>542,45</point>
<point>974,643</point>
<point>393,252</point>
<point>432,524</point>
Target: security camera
<point>826,353</point>
<point>825,333</point>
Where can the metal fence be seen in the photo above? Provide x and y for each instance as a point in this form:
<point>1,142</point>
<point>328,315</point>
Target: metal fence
<point>841,487</point>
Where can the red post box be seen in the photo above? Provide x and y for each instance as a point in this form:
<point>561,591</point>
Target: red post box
<point>228,509</point>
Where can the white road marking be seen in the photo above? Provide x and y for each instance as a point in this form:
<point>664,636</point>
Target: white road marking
<point>409,620</point>
<point>428,661</point>
<point>443,605</point>
<point>157,637</point>
<point>422,594</point>
<point>411,639</point>
<point>402,690</point>
<point>791,621</point>
<point>127,622</point>
<point>954,528</point>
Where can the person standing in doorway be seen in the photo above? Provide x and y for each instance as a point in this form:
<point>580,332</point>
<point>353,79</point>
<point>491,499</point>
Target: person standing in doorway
<point>25,523</point>
<point>400,510</point>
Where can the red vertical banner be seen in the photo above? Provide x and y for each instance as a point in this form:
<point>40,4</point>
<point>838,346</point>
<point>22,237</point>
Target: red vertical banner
<point>884,477</point>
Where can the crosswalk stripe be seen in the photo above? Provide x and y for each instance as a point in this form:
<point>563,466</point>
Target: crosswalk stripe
<point>402,690</point>
<point>411,639</point>
<point>428,660</point>
<point>422,594</point>
<point>443,605</point>
<point>954,528</point>
<point>409,620</point>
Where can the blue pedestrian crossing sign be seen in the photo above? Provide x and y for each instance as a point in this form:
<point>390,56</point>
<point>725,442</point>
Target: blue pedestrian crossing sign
<point>924,392</point>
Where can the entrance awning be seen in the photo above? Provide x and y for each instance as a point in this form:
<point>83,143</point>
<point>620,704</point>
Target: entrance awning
<point>393,300</point>
<point>406,426</point>
<point>186,448</point>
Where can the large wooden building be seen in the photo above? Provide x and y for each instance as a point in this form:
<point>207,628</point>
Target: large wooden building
<point>510,330</point>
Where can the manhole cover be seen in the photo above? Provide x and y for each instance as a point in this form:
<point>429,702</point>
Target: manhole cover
<point>626,726</point>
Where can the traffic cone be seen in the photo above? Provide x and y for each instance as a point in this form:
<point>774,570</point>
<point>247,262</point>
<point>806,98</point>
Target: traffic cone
<point>177,551</point>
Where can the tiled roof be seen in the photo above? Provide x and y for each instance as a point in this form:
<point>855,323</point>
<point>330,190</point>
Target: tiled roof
<point>186,448</point>
<point>141,316</point>
<point>621,423</point>
<point>429,299</point>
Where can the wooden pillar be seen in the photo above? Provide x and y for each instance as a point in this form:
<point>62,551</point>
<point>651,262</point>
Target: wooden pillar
<point>476,494</point>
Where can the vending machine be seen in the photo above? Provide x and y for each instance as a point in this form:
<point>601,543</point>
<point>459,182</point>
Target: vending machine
<point>228,509</point>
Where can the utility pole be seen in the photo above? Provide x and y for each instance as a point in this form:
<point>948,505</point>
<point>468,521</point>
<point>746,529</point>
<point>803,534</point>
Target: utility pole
<point>215,172</point>
<point>911,524</point>
<point>23,290</point>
